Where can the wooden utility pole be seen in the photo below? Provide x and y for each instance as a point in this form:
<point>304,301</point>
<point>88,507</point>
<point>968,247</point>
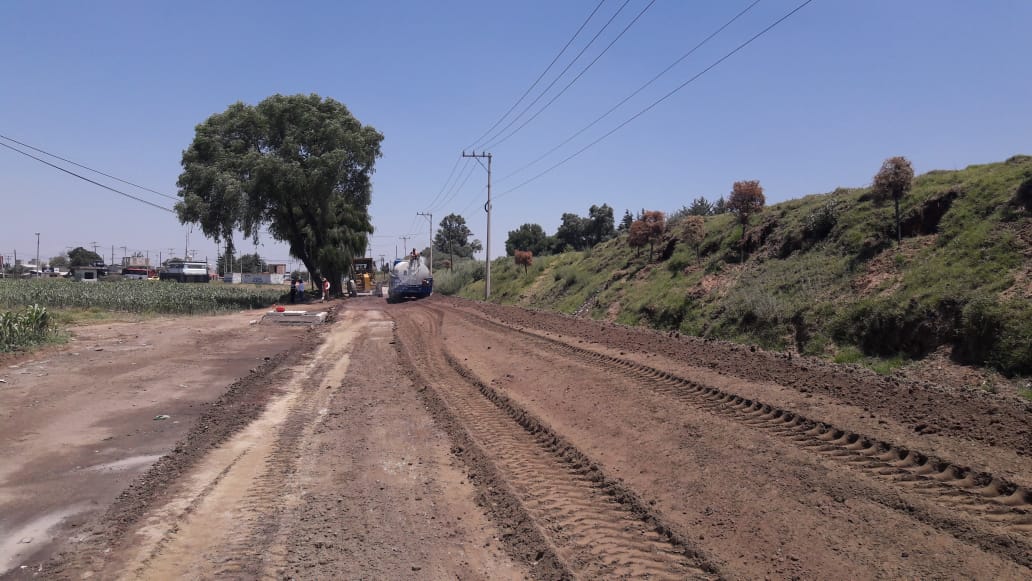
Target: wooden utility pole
<point>430,218</point>
<point>487,208</point>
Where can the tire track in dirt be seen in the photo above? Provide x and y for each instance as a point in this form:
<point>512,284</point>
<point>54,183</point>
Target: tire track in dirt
<point>596,527</point>
<point>1003,505</point>
<point>242,402</point>
<point>224,522</point>
<point>924,407</point>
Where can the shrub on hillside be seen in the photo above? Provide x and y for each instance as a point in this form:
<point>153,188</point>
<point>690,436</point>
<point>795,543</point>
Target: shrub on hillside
<point>996,334</point>
<point>451,281</point>
<point>819,222</point>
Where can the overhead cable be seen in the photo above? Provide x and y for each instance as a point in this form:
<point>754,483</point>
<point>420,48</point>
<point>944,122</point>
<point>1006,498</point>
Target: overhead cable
<point>632,95</point>
<point>561,73</point>
<point>541,76</point>
<point>106,187</point>
<point>555,98</point>
<point>658,101</point>
<point>88,168</point>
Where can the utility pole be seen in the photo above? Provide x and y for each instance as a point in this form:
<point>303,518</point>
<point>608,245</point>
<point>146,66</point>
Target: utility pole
<point>487,208</point>
<point>404,240</point>
<point>124,261</point>
<point>95,247</point>
<point>38,268</point>
<point>430,218</point>
<point>112,255</point>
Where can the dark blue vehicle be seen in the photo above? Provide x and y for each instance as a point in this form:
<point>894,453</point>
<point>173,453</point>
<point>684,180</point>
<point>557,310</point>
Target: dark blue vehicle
<point>409,279</point>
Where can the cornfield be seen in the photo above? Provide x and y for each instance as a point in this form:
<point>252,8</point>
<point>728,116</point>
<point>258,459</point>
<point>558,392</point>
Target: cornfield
<point>31,326</point>
<point>134,296</point>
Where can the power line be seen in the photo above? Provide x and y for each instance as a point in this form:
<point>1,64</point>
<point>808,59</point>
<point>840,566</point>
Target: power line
<point>660,100</point>
<point>561,73</point>
<point>106,187</point>
<point>88,168</point>
<point>469,169</point>
<point>446,181</point>
<point>634,94</point>
<point>575,79</point>
<point>541,76</point>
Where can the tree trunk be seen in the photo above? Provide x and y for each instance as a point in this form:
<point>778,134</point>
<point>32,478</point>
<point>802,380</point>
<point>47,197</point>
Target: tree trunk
<point>336,289</point>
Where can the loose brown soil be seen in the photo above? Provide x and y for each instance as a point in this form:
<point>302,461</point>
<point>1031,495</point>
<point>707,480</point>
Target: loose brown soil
<point>449,439</point>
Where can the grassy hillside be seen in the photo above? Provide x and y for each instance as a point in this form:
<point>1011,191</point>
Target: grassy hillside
<point>823,274</point>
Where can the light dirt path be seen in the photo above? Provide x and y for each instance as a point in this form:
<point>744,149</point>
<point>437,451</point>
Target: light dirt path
<point>77,423</point>
<point>342,476</point>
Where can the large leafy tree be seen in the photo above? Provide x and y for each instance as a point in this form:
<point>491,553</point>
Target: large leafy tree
<point>59,262</point>
<point>600,225</point>
<point>250,263</point>
<point>453,237</point>
<point>745,200</point>
<point>79,256</point>
<point>570,233</point>
<point>894,180</point>
<point>529,237</point>
<point>300,165</point>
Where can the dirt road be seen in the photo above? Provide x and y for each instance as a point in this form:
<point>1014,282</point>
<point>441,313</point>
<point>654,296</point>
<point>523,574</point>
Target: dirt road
<point>448,439</point>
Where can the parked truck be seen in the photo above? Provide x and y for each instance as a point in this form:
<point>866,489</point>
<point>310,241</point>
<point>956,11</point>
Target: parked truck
<point>185,271</point>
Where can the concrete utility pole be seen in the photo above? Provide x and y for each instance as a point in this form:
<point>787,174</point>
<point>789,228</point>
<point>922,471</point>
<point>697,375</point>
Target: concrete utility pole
<point>95,247</point>
<point>124,261</point>
<point>487,208</point>
<point>430,218</point>
<point>404,241</point>
<point>37,255</point>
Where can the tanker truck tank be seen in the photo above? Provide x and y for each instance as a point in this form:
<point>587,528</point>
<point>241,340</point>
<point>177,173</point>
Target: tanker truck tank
<point>409,279</point>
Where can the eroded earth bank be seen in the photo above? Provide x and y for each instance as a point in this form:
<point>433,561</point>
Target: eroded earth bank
<point>450,439</point>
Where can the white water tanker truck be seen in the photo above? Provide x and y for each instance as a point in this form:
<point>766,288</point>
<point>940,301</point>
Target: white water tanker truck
<point>409,279</point>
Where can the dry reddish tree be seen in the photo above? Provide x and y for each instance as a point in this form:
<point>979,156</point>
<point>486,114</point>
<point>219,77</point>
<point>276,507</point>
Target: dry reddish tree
<point>694,232</point>
<point>746,199</point>
<point>894,179</point>
<point>524,258</point>
<point>638,236</point>
<point>655,221</point>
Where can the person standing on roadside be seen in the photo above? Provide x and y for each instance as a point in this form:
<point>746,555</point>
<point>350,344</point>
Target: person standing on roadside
<point>325,288</point>
<point>293,290</point>
<point>301,290</point>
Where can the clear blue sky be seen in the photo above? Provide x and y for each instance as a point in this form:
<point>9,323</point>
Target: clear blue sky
<point>816,103</point>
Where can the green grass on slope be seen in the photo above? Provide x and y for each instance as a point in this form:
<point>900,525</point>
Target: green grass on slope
<point>823,273</point>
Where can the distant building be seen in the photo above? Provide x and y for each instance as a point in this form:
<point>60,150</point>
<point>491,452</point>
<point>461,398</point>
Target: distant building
<point>137,261</point>
<point>88,273</point>
<point>275,268</point>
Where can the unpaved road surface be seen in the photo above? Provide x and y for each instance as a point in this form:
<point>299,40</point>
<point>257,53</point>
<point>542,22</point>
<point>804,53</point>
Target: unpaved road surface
<point>450,439</point>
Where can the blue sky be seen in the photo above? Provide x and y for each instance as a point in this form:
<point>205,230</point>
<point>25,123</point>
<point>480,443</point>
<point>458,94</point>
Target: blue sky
<point>816,103</point>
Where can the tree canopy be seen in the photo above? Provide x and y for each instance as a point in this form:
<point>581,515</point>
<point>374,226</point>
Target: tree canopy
<point>300,165</point>
<point>745,200</point>
<point>79,256</point>
<point>581,233</point>
<point>250,263</point>
<point>453,237</point>
<point>529,237</point>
